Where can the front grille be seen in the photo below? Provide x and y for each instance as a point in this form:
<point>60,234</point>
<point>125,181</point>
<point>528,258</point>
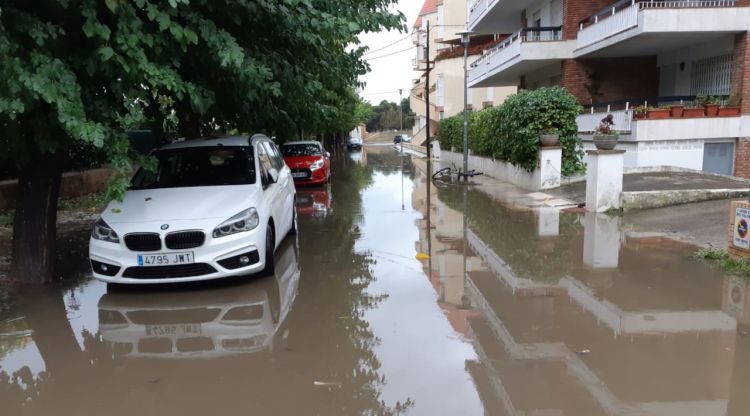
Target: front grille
<point>166,272</point>
<point>307,173</point>
<point>143,242</point>
<point>184,239</point>
<point>234,262</point>
<point>174,316</point>
<point>195,344</point>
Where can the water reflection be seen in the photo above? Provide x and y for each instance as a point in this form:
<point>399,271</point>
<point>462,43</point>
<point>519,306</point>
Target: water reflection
<point>578,317</point>
<point>314,202</point>
<point>228,320</point>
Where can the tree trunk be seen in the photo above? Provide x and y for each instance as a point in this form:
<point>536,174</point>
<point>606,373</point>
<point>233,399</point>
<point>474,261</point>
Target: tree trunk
<point>189,125</point>
<point>156,120</point>
<point>34,226</point>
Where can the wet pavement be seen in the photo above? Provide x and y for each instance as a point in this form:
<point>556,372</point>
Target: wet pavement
<point>516,311</point>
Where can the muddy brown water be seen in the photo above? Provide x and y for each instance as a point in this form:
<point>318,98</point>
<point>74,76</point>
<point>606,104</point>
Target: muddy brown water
<point>515,312</point>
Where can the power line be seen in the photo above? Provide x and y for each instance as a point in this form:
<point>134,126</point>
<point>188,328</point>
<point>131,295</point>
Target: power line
<point>382,93</point>
<point>410,48</point>
<point>388,45</point>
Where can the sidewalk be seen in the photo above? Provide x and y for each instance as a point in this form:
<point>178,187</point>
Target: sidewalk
<point>665,188</point>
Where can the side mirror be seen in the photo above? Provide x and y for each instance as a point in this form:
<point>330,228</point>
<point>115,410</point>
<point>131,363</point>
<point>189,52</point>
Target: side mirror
<point>273,175</point>
<point>328,154</point>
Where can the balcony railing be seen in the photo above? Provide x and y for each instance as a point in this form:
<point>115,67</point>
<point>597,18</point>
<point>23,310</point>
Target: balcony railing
<point>622,110</point>
<point>623,15</point>
<point>589,122</point>
<point>477,8</point>
<point>511,46</point>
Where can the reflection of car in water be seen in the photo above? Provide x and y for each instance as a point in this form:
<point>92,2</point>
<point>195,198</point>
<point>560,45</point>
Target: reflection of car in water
<point>226,320</point>
<point>314,202</point>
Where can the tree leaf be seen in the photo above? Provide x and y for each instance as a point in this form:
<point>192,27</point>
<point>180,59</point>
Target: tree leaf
<point>106,52</point>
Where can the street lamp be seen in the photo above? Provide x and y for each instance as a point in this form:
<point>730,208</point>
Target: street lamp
<point>465,39</point>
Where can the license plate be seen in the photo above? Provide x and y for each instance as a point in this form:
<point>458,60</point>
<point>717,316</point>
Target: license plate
<point>173,330</point>
<point>165,259</point>
<point>299,175</point>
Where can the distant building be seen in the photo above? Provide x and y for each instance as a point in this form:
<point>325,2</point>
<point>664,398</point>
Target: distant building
<point>447,18</point>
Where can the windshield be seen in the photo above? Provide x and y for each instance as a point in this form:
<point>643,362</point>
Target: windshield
<point>199,166</point>
<point>295,150</point>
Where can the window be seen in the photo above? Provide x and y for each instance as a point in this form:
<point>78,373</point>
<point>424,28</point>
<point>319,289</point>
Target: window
<point>301,150</point>
<point>440,91</point>
<point>265,164</point>
<point>198,166</point>
<point>712,76</point>
<point>276,161</point>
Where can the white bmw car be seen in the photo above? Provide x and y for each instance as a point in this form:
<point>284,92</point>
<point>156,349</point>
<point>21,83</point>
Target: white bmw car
<point>214,208</point>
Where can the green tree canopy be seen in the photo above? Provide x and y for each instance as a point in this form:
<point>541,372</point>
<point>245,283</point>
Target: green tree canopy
<point>84,71</point>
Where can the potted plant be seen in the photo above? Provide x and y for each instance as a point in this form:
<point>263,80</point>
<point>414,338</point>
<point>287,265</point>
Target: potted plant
<point>550,137</point>
<point>709,103</point>
<point>676,110</point>
<point>695,110</point>
<point>639,113</point>
<point>605,137</point>
<point>658,113</point>
<point>732,107</point>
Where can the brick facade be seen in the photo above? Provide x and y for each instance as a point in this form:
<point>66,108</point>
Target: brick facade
<point>742,158</point>
<point>577,10</point>
<point>611,79</point>
<point>741,70</point>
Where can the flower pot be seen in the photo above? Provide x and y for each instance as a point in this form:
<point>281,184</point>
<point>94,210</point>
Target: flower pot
<point>676,111</point>
<point>693,112</point>
<point>605,141</point>
<point>729,111</point>
<point>658,113</point>
<point>549,140</point>
<point>712,110</point>
<point>639,116</point>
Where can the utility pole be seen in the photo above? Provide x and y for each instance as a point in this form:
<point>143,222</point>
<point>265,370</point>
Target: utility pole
<point>427,89</point>
<point>465,40</point>
<point>401,109</point>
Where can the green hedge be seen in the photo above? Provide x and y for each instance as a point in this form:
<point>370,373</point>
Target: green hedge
<point>511,131</point>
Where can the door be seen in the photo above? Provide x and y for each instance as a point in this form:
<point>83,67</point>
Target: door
<point>272,192</point>
<point>286,183</point>
<point>718,158</point>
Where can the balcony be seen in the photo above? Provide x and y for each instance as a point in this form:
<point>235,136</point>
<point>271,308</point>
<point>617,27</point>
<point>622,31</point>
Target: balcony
<point>524,51</point>
<point>639,28</point>
<point>496,16</point>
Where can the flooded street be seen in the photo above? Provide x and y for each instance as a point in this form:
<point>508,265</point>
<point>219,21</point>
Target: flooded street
<point>512,311</point>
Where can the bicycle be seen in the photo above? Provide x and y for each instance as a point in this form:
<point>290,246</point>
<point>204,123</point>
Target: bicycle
<point>445,175</point>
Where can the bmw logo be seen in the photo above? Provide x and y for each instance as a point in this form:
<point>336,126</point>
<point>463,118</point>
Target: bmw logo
<point>164,226</point>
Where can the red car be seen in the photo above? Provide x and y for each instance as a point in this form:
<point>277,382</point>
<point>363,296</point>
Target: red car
<point>308,161</point>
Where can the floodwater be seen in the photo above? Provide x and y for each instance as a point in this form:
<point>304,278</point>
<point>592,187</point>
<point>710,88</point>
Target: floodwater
<point>515,312</point>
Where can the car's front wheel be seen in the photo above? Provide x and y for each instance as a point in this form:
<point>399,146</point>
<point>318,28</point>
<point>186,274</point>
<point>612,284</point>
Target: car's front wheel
<point>270,243</point>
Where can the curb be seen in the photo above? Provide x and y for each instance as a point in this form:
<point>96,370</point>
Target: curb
<point>658,199</point>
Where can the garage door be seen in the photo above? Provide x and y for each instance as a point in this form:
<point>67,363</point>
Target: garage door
<point>718,157</point>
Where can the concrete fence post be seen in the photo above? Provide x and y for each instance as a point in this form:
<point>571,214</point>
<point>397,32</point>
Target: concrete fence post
<point>604,179</point>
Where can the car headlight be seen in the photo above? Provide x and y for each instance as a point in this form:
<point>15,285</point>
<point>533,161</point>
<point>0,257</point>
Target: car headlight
<point>317,164</point>
<point>244,221</point>
<point>102,231</point>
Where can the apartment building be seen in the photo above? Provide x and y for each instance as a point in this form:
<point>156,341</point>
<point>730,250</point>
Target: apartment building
<point>613,56</point>
<point>446,19</point>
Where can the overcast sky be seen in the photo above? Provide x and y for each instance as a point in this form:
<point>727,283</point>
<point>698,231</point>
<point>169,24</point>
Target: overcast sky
<point>390,73</point>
